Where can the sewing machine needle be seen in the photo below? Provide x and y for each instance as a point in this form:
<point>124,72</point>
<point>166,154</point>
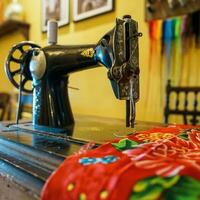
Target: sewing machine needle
<point>132,120</point>
<point>127,113</point>
<point>132,104</point>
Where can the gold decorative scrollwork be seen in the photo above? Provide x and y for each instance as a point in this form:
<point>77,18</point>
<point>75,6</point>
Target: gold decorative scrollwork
<point>88,53</point>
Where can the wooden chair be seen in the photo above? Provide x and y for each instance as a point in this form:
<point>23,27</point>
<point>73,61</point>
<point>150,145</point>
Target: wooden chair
<point>5,106</point>
<point>186,112</point>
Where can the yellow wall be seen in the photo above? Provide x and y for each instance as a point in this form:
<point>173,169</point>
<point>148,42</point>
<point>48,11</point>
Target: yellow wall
<point>95,96</point>
<point>6,42</point>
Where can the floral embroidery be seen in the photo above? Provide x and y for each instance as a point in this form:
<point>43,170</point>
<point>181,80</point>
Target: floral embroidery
<point>167,157</point>
<point>145,137</point>
<point>157,164</point>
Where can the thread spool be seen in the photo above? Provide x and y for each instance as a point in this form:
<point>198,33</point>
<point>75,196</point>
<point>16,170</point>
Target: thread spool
<point>52,32</point>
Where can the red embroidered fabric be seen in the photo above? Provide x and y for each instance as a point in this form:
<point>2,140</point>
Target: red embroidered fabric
<point>159,163</point>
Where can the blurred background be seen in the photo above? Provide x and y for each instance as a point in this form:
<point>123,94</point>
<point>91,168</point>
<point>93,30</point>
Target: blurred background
<point>169,49</point>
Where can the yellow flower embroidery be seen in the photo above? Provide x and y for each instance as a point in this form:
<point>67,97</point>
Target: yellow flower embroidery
<point>154,136</point>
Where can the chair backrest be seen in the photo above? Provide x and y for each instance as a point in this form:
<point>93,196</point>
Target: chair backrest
<point>193,111</point>
<point>5,106</point>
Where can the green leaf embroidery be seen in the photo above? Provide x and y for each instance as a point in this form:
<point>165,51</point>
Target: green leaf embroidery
<point>167,188</point>
<point>183,135</point>
<point>151,193</point>
<point>187,188</point>
<point>125,144</point>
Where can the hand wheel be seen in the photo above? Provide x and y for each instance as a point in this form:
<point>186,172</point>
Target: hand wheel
<point>15,65</point>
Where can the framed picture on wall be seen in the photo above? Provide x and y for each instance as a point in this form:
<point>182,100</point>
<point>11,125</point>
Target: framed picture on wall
<point>83,9</point>
<point>55,9</point>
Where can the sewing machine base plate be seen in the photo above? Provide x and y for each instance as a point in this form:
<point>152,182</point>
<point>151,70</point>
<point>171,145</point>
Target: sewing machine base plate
<point>28,156</point>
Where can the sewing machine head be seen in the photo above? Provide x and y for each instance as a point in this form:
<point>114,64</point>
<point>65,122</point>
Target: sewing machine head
<point>48,68</point>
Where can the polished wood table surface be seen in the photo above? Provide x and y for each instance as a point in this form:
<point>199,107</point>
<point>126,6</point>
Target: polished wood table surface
<point>29,156</point>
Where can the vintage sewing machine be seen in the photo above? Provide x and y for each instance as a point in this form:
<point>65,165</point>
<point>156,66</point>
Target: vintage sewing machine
<point>48,68</point>
<point>30,151</point>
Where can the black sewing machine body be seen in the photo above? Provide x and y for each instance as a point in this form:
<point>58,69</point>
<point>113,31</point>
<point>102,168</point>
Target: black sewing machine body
<point>49,68</point>
<point>51,101</point>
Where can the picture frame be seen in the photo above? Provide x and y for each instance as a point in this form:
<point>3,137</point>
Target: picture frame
<point>57,10</point>
<point>83,9</point>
